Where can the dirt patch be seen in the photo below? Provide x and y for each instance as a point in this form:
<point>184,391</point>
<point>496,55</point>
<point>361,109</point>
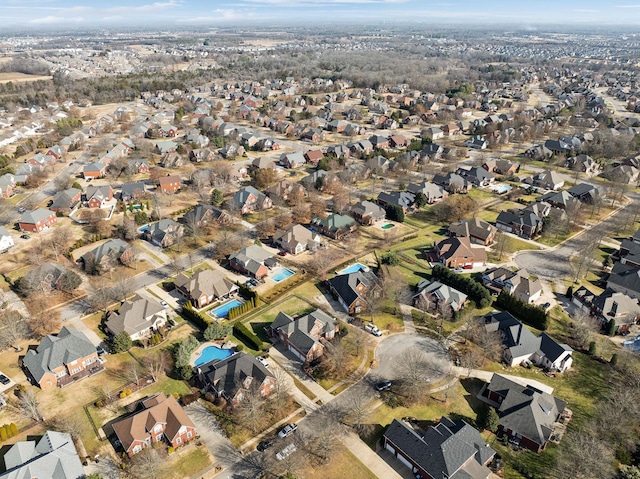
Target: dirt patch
<point>21,77</point>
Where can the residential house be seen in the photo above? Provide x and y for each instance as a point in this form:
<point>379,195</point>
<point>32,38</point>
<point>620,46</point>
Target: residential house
<point>54,456</point>
<point>64,201</point>
<point>62,359</point>
<point>476,229</point>
<point>585,192</point>
<point>453,182</point>
<point>7,183</point>
<point>560,199</point>
<point>313,156</point>
<point>629,252</point>
<point>252,260</point>
<point>433,133</point>
<point>97,196</point>
<point>398,141</point>
<point>625,278</point>
<point>459,253</point>
<point>625,174</point>
<point>6,240</point>
<point>433,295</point>
<point>432,152</point>
<point>296,239</point>
<point>164,233</point>
<point>450,449</point>
<point>292,160</point>
<point>285,189</point>
<point>367,213</point>
<point>132,191</point>
<point>263,162</point>
<point>43,278</point>
<point>139,317</point>
<point>351,289</point>
<point>205,287</point>
<point>500,166</point>
<point>169,184</point>
<point>379,142</point>
<point>583,163</point>
<point>549,180</point>
<point>477,175</point>
<point>403,199</point>
<point>304,335</point>
<point>476,142</point>
<point>431,191</point>
<point>94,170</point>
<point>203,215</point>
<point>528,416</point>
<point>522,346</point>
<point>156,419</point>
<point>517,282</point>
<point>248,200</point>
<point>334,226</point>
<point>37,220</point>
<point>236,377</point>
<point>608,305</point>
<point>523,223</point>
<point>107,256</point>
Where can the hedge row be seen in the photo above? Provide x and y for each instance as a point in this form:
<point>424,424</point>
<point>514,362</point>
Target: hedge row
<point>243,308</point>
<point>474,290</point>
<point>243,333</point>
<point>529,314</point>
<point>7,431</point>
<point>194,316</point>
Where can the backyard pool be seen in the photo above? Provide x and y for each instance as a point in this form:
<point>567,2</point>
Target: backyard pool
<point>222,311</point>
<point>283,274</point>
<point>354,268</point>
<point>500,189</point>
<point>632,344</point>
<point>210,353</point>
<point>387,226</point>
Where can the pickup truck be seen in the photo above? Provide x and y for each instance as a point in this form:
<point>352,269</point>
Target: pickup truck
<point>287,430</point>
<point>373,329</point>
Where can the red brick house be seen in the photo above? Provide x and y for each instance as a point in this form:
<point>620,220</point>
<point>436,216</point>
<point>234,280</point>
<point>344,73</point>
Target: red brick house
<point>313,156</point>
<point>458,253</point>
<point>37,220</point>
<point>303,336</point>
<point>169,184</point>
<point>94,170</point>
<point>158,418</point>
<point>97,196</point>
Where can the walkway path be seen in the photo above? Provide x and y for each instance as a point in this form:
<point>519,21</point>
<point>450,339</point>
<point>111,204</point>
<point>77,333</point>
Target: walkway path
<point>409,326</point>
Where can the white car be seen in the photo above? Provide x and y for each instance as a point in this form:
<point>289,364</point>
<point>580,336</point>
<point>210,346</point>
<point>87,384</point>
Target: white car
<point>288,430</point>
<point>164,304</point>
<point>286,451</point>
<point>263,360</point>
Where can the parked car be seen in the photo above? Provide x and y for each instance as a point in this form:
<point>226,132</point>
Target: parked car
<point>282,253</point>
<point>164,304</point>
<point>25,236</point>
<point>21,209</point>
<point>100,350</point>
<point>546,305</point>
<point>458,270</point>
<point>383,385</point>
<point>286,452</point>
<point>263,360</point>
<point>4,379</point>
<point>266,444</point>
<point>373,329</point>
<point>288,430</point>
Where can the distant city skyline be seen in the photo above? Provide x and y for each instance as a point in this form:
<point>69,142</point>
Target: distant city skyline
<point>60,14</point>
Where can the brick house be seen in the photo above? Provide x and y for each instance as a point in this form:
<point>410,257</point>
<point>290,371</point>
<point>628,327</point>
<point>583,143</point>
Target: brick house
<point>169,183</point>
<point>248,199</point>
<point>138,317</point>
<point>252,260</point>
<point>64,201</point>
<point>108,255</point>
<point>94,170</point>
<point>458,253</point>
<point>97,196</point>
<point>62,359</point>
<point>204,287</point>
<point>37,220</point>
<point>477,230</point>
<point>236,377</point>
<point>303,336</point>
<point>351,289</point>
<point>158,418</point>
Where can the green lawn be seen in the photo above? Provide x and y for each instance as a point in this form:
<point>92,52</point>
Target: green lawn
<point>187,462</point>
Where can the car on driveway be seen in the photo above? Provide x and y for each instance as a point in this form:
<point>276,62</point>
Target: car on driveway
<point>263,360</point>
<point>266,444</point>
<point>383,386</point>
<point>458,270</point>
<point>164,304</point>
<point>546,305</point>
<point>288,430</point>
<point>25,236</point>
<point>4,379</point>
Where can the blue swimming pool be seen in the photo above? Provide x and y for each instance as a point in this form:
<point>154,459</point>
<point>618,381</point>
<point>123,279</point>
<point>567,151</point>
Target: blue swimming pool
<point>500,189</point>
<point>210,353</point>
<point>222,311</point>
<point>632,344</point>
<point>354,268</point>
<point>283,274</point>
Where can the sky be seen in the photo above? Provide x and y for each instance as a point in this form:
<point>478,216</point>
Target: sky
<point>40,14</point>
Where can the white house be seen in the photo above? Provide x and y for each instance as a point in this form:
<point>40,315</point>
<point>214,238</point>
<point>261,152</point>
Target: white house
<point>6,241</point>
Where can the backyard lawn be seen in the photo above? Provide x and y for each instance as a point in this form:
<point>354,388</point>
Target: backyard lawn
<point>342,460</point>
<point>186,463</point>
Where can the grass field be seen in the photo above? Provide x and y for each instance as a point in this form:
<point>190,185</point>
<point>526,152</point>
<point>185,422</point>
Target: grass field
<point>342,462</point>
<point>186,463</point>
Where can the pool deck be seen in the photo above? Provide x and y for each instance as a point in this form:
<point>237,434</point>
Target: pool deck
<point>196,354</point>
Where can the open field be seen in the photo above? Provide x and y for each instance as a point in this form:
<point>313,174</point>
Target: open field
<point>21,77</point>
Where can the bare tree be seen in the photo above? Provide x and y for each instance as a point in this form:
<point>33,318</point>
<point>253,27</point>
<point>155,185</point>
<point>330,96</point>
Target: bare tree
<point>410,368</point>
<point>250,410</point>
<point>489,341</point>
<point>146,464</point>
<point>357,410</point>
<point>13,327</point>
<point>156,365</point>
<point>29,405</point>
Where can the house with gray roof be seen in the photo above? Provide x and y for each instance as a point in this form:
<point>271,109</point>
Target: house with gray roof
<point>37,220</point>
<point>132,191</point>
<point>138,317</point>
<point>528,416</point>
<point>431,191</point>
<point>164,233</point>
<point>585,192</point>
<point>367,212</point>
<point>351,289</point>
<point>66,200</point>
<point>518,282</point>
<point>252,260</point>
<point>236,377</point>
<point>433,295</point>
<point>403,199</point>
<point>248,199</point>
<point>451,449</point>
<point>521,345</point>
<point>303,335</point>
<point>53,456</point>
<point>608,305</point>
<point>625,278</point>
<point>107,256</point>
<point>62,359</point>
<point>202,215</point>
<point>477,230</point>
<point>204,287</point>
<point>453,182</point>
<point>296,239</point>
<point>523,222</point>
<point>549,180</point>
<point>334,225</point>
<point>477,175</point>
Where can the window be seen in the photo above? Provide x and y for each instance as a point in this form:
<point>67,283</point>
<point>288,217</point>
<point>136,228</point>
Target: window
<point>159,437</point>
<point>137,449</point>
<point>178,440</point>
<point>189,435</point>
<point>157,428</point>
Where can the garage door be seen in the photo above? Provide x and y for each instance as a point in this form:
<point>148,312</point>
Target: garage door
<point>300,356</point>
<point>404,461</point>
<point>391,449</point>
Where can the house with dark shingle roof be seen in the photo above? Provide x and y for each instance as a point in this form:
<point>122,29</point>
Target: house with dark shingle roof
<point>204,287</point>
<point>523,223</point>
<point>236,377</point>
<point>97,196</point>
<point>453,182</point>
<point>138,317</point>
<point>477,175</point>
<point>248,199</point>
<point>367,212</point>
<point>403,199</point>
<point>435,296</point>
<point>164,233</point>
<point>351,289</point>
<point>61,359</point>
<point>66,200</point>
<point>521,345</point>
<point>585,192</point>
<point>303,336</point>
<point>431,191</point>
<point>477,230</point>
<point>459,253</point>
<point>450,449</point>
<point>202,215</point>
<point>157,418</point>
<point>528,416</point>
<point>132,191</point>
<point>108,255</point>
<point>53,456</point>
<point>517,282</point>
<point>625,278</point>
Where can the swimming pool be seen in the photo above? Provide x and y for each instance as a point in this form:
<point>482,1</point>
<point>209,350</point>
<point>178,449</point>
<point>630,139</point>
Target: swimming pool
<point>387,226</point>
<point>500,189</point>
<point>354,268</point>
<point>632,344</point>
<point>210,353</point>
<point>222,311</point>
<point>283,274</point>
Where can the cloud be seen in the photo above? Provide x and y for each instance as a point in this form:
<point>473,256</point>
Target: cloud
<point>627,6</point>
<point>53,19</point>
<point>222,15</point>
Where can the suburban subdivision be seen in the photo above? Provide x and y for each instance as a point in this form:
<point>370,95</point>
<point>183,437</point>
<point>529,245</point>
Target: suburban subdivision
<point>366,251</point>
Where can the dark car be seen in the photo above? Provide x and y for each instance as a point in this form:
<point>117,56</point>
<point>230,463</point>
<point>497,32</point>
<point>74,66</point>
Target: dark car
<point>25,236</point>
<point>546,306</point>
<point>4,379</point>
<point>282,253</point>
<point>100,350</point>
<point>383,386</point>
<point>266,444</point>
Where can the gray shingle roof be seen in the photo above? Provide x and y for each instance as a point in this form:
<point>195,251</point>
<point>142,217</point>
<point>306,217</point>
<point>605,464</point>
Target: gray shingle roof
<point>345,284</point>
<point>33,217</point>
<point>135,316</point>
<point>227,375</point>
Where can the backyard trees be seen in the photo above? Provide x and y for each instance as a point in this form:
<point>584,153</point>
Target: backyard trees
<point>121,342</point>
